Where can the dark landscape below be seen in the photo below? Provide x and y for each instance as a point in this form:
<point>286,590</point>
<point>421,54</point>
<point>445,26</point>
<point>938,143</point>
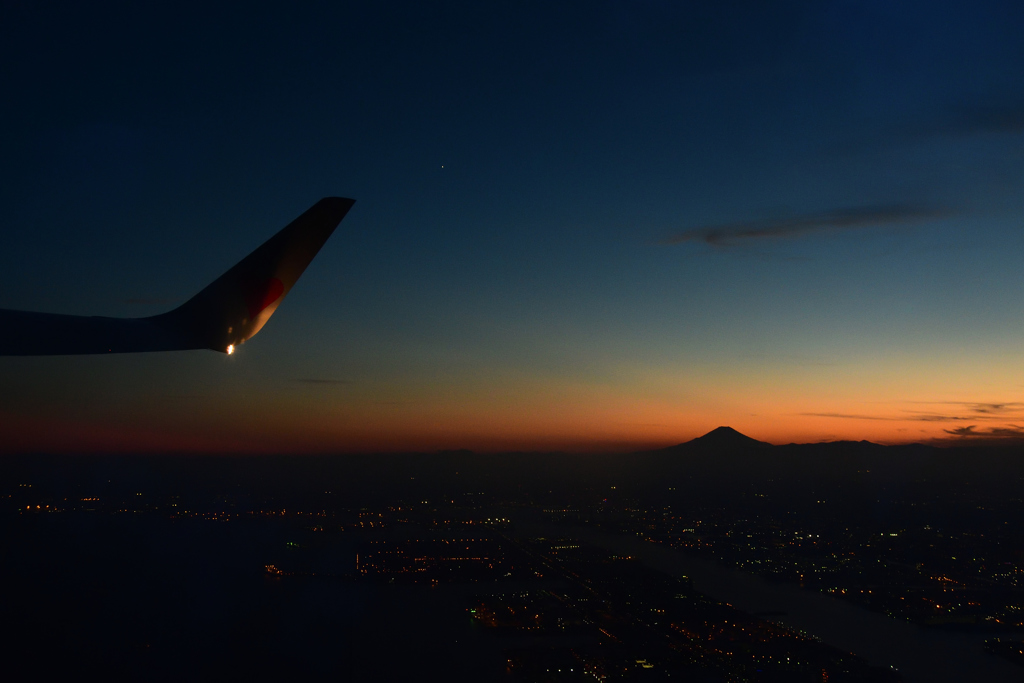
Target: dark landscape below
<point>457,566</point>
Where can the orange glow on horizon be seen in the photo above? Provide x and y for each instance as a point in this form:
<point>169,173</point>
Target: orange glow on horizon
<point>612,427</point>
<point>626,408</point>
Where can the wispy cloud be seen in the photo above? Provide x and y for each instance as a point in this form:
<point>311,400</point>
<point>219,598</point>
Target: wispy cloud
<point>988,117</point>
<point>846,416</point>
<point>732,234</point>
<point>1003,420</point>
<point>315,380</point>
<point>1005,118</point>
<point>994,408</point>
<point>972,412</point>
<point>908,417</point>
<point>995,117</point>
<point>1011,432</point>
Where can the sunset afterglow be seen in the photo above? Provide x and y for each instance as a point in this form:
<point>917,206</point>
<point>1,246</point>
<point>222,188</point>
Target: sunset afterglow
<point>586,231</point>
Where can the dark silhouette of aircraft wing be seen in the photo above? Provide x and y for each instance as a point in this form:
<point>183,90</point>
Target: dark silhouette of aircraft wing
<point>229,311</point>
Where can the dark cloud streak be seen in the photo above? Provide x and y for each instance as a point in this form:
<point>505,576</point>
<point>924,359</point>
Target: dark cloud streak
<point>1004,117</point>
<point>994,408</point>
<point>968,119</point>
<point>915,417</point>
<point>326,382</point>
<point>1012,432</point>
<point>991,412</point>
<point>732,234</point>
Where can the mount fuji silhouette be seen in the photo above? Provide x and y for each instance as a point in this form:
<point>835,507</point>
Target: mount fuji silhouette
<point>726,437</point>
<point>720,440</point>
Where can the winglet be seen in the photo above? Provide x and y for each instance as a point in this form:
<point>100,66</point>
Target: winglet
<point>222,316</point>
<point>235,306</point>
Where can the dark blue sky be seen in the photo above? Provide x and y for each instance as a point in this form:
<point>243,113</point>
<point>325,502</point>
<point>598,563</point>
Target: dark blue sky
<point>583,225</point>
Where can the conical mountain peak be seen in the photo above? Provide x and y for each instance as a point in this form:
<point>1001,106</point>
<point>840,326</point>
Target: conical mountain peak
<point>727,437</point>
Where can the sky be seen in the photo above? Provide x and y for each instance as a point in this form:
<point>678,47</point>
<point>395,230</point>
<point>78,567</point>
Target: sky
<point>582,226</point>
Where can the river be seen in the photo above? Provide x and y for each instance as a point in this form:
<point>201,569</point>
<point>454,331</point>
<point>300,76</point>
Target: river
<point>920,654</point>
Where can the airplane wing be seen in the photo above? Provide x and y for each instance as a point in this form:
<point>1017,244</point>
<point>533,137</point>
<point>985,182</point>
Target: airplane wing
<point>233,308</point>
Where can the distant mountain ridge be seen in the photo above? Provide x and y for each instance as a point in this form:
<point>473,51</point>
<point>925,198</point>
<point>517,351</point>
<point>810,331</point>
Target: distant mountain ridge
<point>728,439</point>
